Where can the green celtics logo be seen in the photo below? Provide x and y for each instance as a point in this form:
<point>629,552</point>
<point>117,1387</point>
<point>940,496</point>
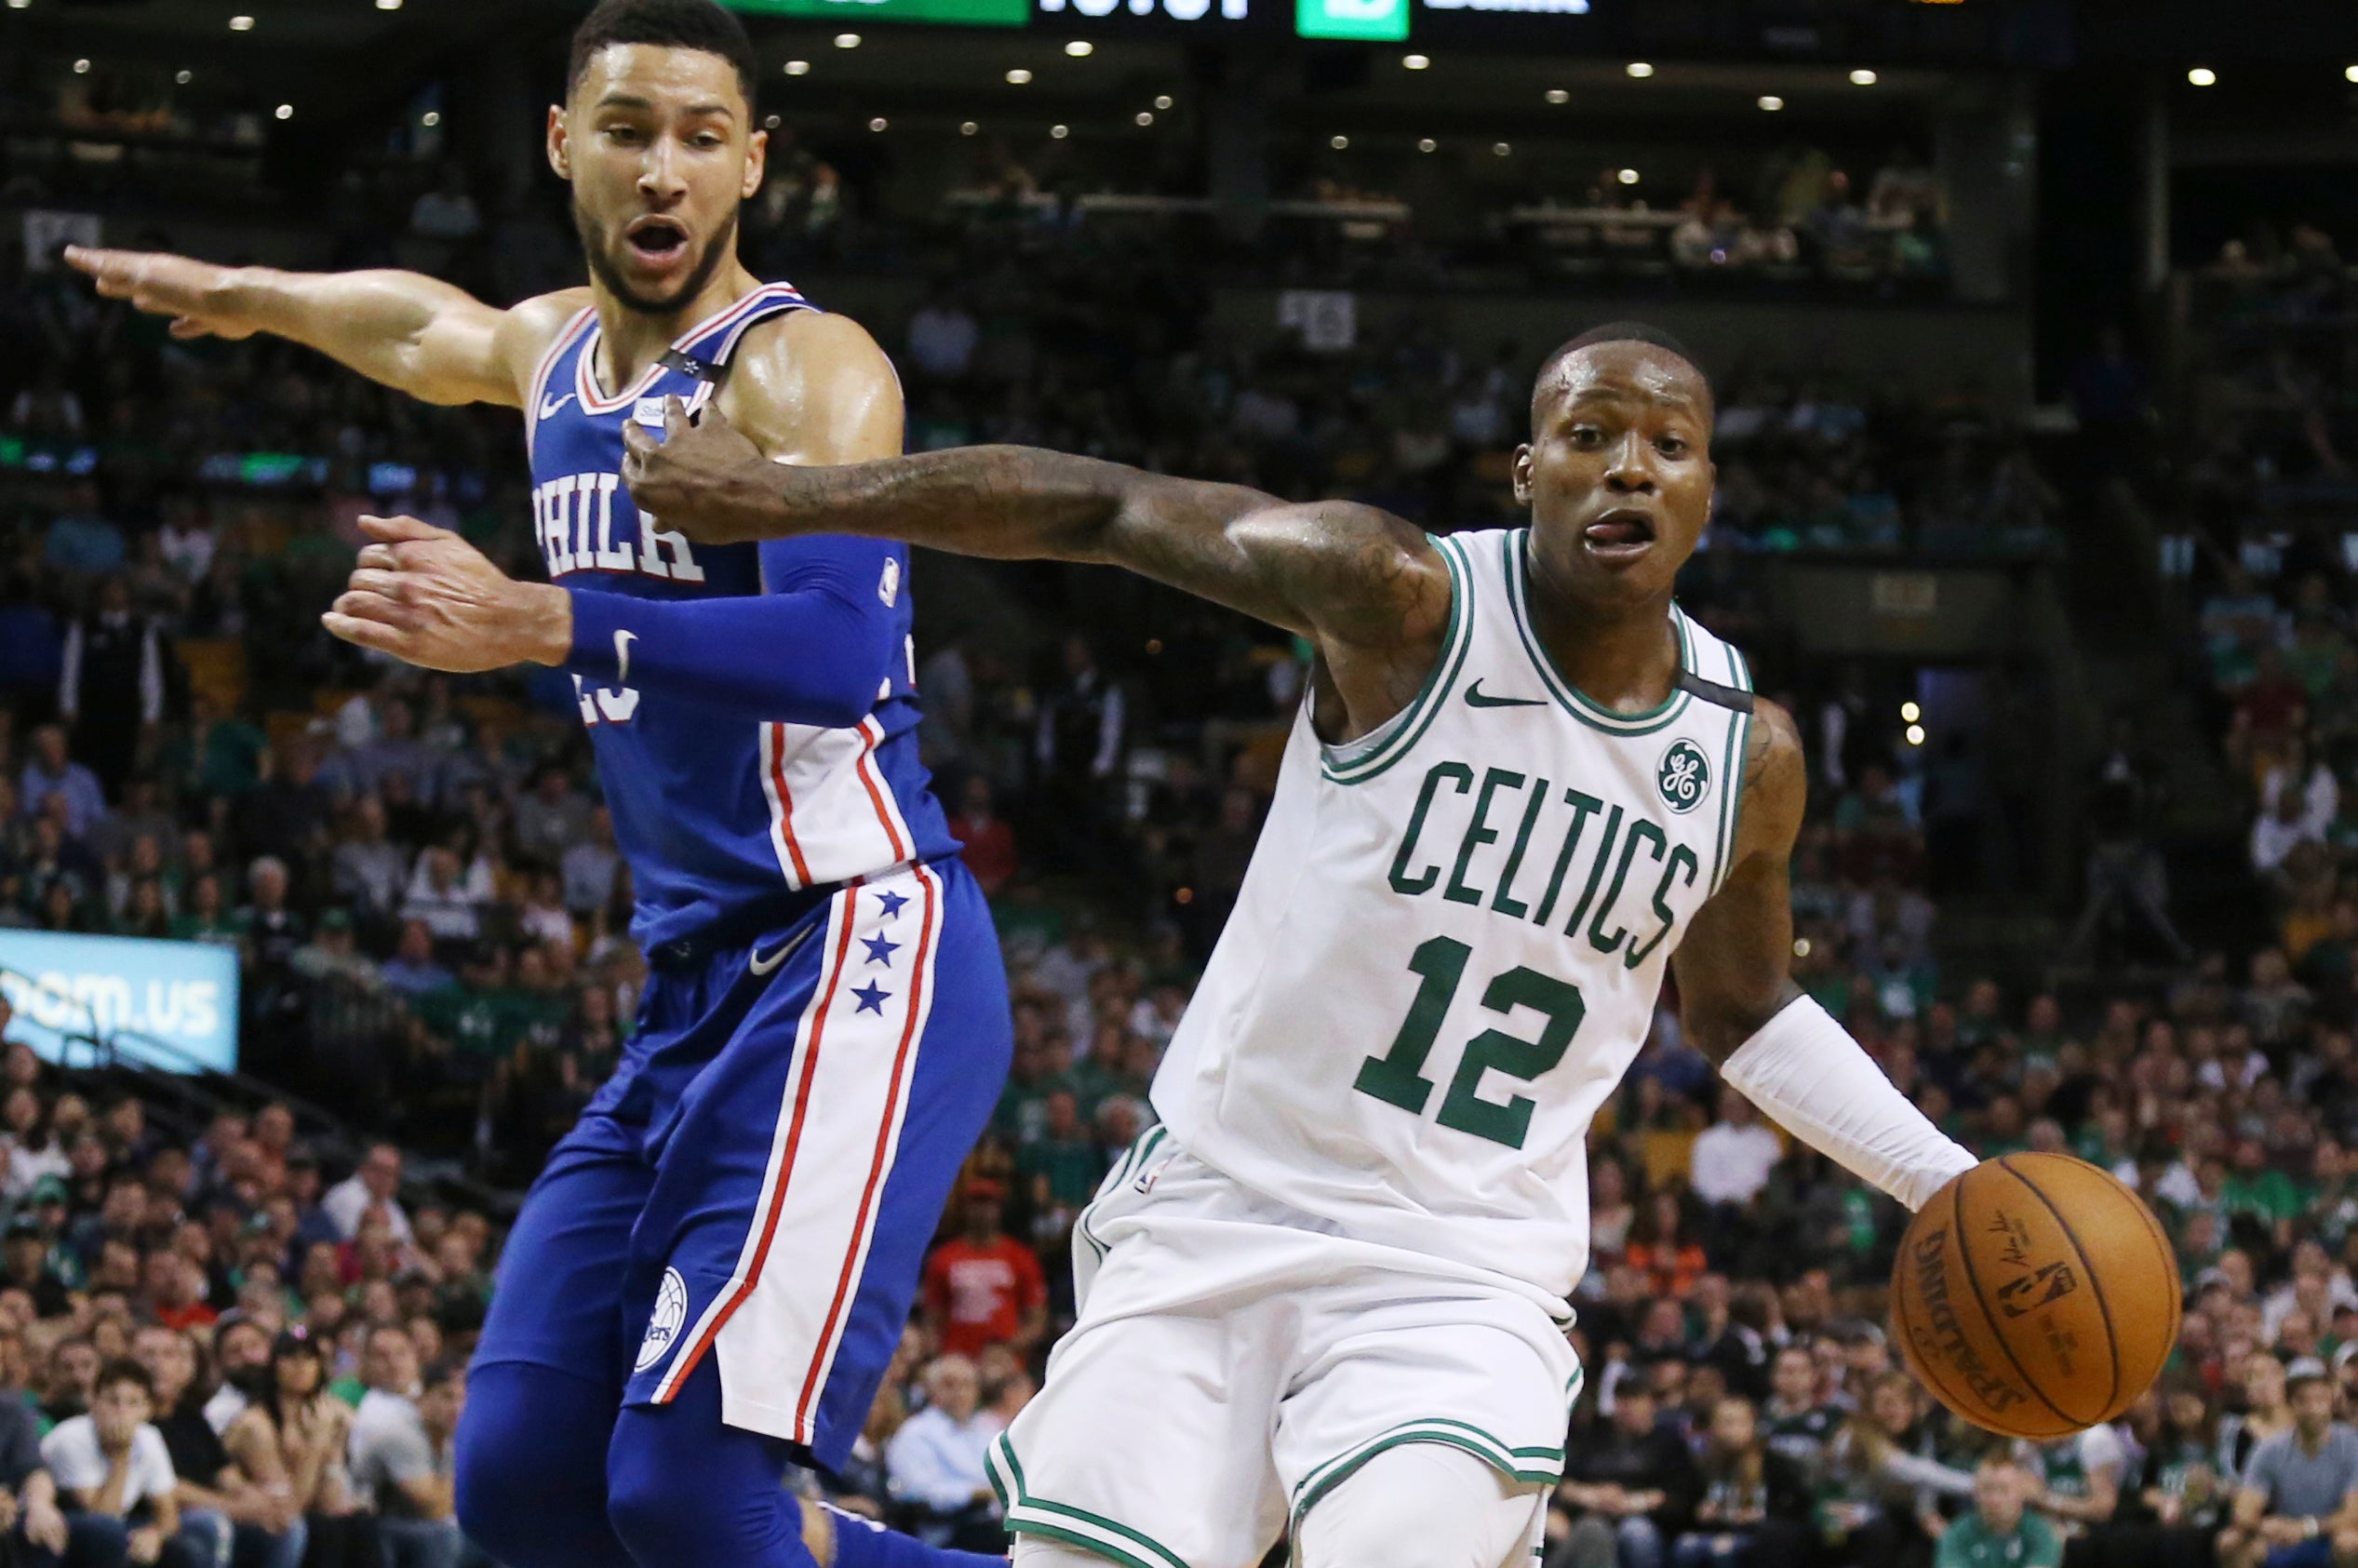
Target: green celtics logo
<point>1683,776</point>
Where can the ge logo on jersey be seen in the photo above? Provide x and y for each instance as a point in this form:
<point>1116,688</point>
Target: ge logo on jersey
<point>669,1318</point>
<point>1683,776</point>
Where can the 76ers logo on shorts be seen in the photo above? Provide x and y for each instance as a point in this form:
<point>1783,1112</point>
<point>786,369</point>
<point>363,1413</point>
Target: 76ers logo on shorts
<point>1682,776</point>
<point>670,1315</point>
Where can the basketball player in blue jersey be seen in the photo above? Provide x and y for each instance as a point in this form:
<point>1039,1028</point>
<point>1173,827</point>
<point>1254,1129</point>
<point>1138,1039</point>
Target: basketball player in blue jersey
<point>715,1267</point>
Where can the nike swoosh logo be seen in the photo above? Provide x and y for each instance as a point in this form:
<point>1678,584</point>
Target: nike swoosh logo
<point>1474,699</point>
<point>549,408</point>
<point>755,961</point>
<point>621,655</point>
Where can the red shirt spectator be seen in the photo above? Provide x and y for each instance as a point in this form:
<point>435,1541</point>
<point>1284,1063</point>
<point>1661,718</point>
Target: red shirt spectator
<point>985,1288</point>
<point>990,843</point>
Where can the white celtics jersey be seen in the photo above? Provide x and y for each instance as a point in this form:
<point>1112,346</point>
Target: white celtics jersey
<point>1448,945</point>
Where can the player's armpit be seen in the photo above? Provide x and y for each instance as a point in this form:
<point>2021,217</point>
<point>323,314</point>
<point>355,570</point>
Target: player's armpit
<point>1735,965</point>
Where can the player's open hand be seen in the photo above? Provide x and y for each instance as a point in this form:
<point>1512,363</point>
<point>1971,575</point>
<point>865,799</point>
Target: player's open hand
<point>703,478</point>
<point>429,599</point>
<point>200,297</point>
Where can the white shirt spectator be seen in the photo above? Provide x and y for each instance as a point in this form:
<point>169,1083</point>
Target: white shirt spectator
<point>349,1199</point>
<point>75,1460</point>
<point>2273,840</point>
<point>1729,1164</point>
<point>938,1462</point>
<point>226,1405</point>
<point>389,1449</point>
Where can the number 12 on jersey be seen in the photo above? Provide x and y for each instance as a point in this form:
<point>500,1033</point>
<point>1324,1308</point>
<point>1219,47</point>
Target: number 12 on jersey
<point>1397,1077</point>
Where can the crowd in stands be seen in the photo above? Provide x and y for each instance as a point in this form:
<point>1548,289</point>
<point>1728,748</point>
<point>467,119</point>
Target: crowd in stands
<point>433,929</point>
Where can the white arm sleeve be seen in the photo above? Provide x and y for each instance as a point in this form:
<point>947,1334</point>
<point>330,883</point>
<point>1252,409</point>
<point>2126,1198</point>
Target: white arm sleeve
<point>1805,1072</point>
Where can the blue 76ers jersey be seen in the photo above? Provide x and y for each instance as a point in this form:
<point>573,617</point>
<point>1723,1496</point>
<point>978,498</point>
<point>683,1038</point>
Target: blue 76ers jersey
<point>723,816</point>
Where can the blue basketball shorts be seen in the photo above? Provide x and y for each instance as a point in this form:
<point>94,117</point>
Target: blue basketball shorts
<point>765,1196</point>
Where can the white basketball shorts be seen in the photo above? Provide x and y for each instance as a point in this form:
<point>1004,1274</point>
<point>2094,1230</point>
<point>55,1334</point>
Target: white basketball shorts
<point>1235,1360</point>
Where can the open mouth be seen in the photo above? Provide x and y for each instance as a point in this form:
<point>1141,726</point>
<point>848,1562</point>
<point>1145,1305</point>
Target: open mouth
<point>656,240</point>
<point>1621,531</point>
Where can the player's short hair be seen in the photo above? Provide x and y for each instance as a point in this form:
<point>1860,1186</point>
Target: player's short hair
<point>1616,332</point>
<point>680,24</point>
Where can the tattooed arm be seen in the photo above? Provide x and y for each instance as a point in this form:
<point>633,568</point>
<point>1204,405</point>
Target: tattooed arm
<point>1369,589</point>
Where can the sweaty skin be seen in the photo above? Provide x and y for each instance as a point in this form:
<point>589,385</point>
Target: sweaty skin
<point>649,136</point>
<point>1618,477</point>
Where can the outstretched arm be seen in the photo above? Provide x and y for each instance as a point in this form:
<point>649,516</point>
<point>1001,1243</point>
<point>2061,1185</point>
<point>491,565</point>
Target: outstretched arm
<point>411,332</point>
<point>1369,589</point>
<point>1785,1053</point>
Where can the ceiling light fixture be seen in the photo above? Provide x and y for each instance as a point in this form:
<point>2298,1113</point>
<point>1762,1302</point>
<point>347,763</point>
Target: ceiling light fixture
<point>1770,103</point>
<point>1080,48</point>
<point>847,40</point>
<point>1639,69</point>
<point>1018,77</point>
<point>797,68</point>
<point>1415,62</point>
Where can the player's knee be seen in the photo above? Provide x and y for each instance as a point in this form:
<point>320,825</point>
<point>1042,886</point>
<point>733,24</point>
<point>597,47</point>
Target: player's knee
<point>1422,1505</point>
<point>531,1466</point>
<point>683,1495</point>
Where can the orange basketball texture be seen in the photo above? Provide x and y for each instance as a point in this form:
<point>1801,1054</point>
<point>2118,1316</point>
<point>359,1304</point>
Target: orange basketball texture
<point>2035,1295</point>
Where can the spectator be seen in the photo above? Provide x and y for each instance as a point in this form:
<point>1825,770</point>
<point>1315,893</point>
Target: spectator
<point>447,211</point>
<point>1629,1488</point>
<point>290,1443</point>
<point>112,1465</point>
<point>217,1509</point>
<point>2000,1533</point>
<point>1755,1504</point>
<point>1732,1158</point>
<point>111,691</point>
<point>401,1455</point>
<point>990,842</point>
<point>938,1462</point>
<point>371,872</point>
<point>983,1287</point>
<point>941,337</point>
<point>31,1522</point>
<point>551,818</point>
<point>373,1187</point>
<point>2295,1505</point>
<point>412,971</point>
<point>52,771</point>
<point>589,866</point>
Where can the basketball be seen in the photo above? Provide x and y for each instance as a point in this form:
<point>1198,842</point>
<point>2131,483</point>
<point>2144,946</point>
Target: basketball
<point>2035,1295</point>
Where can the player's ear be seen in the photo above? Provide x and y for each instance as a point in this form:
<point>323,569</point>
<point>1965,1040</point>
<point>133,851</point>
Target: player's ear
<point>1523,474</point>
<point>559,148</point>
<point>756,162</point>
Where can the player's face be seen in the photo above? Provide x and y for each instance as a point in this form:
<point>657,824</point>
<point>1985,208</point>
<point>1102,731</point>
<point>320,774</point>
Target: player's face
<point>1618,471</point>
<point>660,147</point>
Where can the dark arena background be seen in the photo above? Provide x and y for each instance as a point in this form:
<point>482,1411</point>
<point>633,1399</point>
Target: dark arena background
<point>2037,370</point>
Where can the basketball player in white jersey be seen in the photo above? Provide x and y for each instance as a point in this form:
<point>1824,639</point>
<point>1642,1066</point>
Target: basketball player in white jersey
<point>1327,1294</point>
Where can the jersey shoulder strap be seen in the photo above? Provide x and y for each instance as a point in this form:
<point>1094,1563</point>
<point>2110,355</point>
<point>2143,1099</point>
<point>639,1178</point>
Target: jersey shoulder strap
<point>705,355</point>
